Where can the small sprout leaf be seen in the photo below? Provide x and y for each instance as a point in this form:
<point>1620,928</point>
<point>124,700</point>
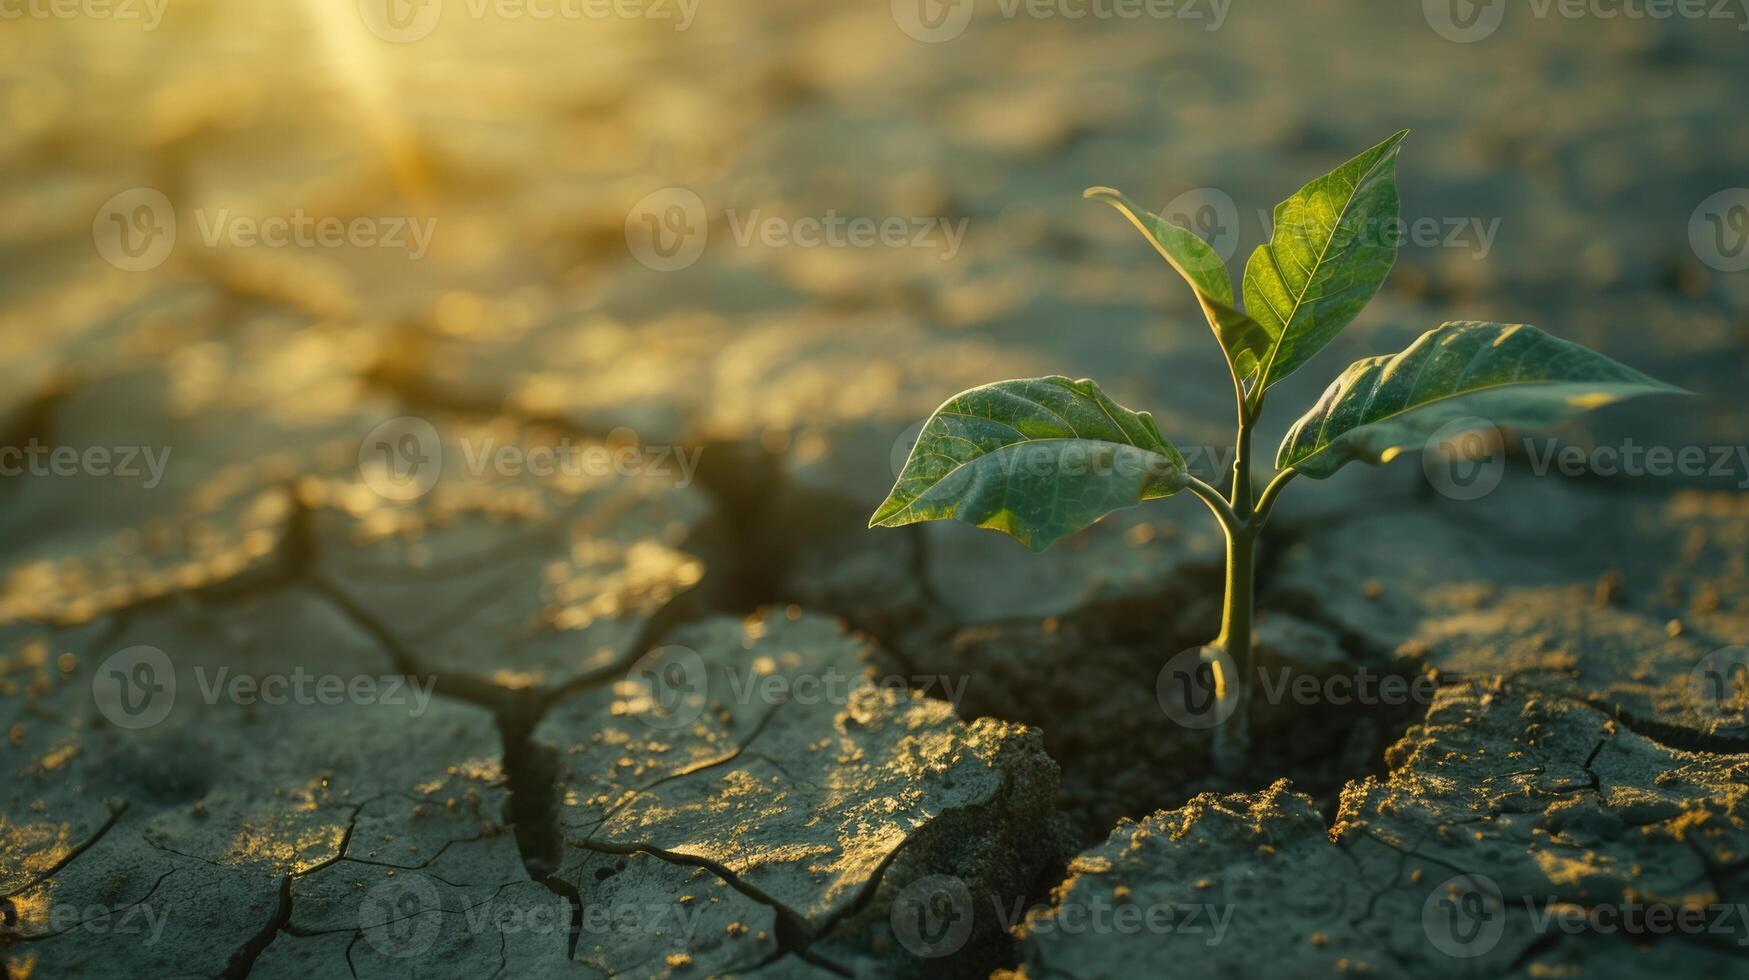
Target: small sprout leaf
<point>1193,258</point>
<point>1037,459</point>
<point>1242,338</point>
<point>1334,242</point>
<point>1508,375</point>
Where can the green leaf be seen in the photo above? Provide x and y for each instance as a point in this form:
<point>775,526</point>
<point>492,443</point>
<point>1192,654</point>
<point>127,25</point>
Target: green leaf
<point>1242,338</point>
<point>1195,259</point>
<point>1333,245</point>
<point>1036,458</point>
<point>1503,374</point>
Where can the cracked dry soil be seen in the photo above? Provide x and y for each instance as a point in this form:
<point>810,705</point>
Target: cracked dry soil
<point>264,719</point>
<point>534,817</point>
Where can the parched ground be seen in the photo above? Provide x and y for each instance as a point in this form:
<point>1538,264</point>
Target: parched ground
<point>273,711</point>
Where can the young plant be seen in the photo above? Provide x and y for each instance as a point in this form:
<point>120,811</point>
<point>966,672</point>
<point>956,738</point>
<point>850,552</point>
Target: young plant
<point>1040,458</point>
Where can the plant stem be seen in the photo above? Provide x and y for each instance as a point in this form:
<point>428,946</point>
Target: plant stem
<point>1240,494</point>
<point>1232,739</point>
<point>1216,503</point>
<point>1271,493</point>
<point>1241,516</point>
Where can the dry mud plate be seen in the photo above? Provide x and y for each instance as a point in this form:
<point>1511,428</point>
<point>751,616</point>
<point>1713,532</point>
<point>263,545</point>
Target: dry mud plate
<point>490,595</point>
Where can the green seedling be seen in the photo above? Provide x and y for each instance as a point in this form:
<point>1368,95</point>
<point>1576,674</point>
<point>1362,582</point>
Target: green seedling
<point>1040,458</point>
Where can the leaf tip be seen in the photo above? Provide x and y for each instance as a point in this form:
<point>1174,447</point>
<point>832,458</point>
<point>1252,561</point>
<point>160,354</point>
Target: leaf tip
<point>883,515</point>
<point>1389,149</point>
